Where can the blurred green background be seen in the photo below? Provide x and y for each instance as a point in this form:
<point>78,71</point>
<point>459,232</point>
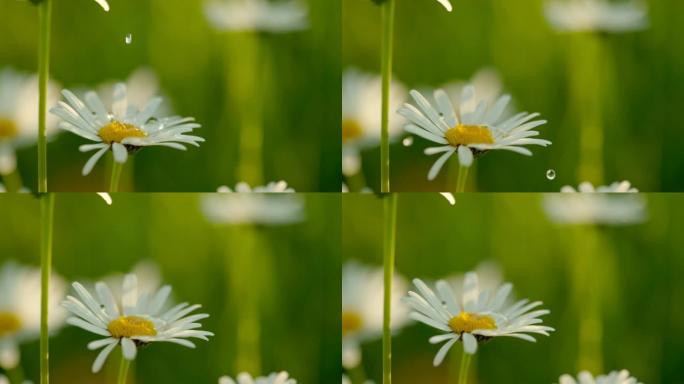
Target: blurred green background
<point>193,62</point>
<point>643,77</point>
<point>297,266</point>
<point>638,268</point>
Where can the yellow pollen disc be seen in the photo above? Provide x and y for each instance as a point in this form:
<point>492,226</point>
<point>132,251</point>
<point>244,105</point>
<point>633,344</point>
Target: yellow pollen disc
<point>469,134</point>
<point>129,326</point>
<point>351,322</point>
<point>468,322</point>
<point>350,130</point>
<point>7,129</point>
<point>9,323</point>
<point>116,131</point>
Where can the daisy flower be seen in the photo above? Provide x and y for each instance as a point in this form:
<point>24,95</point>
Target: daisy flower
<point>615,204</point>
<point>474,317</point>
<point>18,117</point>
<point>361,100</point>
<point>273,204</point>
<point>615,377</point>
<point>123,129</point>
<point>469,133</point>
<point>134,319</point>
<point>362,303</point>
<point>257,15</point>
<point>597,15</point>
<point>246,378</point>
<point>20,309</point>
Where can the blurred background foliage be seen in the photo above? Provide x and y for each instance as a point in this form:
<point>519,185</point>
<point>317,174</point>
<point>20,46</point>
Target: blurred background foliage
<point>298,270</point>
<point>644,78</point>
<point>301,92</point>
<point>638,267</point>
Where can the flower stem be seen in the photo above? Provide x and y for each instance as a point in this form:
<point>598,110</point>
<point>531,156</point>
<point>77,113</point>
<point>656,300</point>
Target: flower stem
<point>123,370</point>
<point>44,16</point>
<point>462,178</point>
<point>389,245</point>
<point>116,175</point>
<point>465,365</point>
<point>47,210</point>
<point>387,48</point>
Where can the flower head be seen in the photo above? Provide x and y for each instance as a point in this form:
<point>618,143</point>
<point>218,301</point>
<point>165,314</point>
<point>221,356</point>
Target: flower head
<point>476,316</point>
<point>18,117</point>
<point>246,378</point>
<point>615,204</point>
<point>469,132</point>
<point>123,129</point>
<point>257,15</point>
<point>134,319</point>
<point>597,15</point>
<point>20,309</point>
<point>615,377</point>
<point>361,100</point>
<point>362,298</point>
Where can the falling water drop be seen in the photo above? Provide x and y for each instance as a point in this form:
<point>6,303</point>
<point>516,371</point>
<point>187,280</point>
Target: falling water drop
<point>551,174</point>
<point>408,141</point>
<point>129,39</point>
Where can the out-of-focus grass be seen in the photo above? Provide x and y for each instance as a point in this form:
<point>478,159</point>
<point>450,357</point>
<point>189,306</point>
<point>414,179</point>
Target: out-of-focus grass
<point>643,135</point>
<point>300,268</point>
<point>302,98</point>
<point>642,315</point>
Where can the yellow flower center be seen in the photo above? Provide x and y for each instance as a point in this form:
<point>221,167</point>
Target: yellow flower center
<point>468,322</point>
<point>116,131</point>
<point>7,129</point>
<point>351,322</point>
<point>9,323</point>
<point>351,130</point>
<point>469,134</point>
<point>129,326</point>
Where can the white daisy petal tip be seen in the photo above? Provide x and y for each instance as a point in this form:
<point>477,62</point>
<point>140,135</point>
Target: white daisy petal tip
<point>103,4</point>
<point>446,4</point>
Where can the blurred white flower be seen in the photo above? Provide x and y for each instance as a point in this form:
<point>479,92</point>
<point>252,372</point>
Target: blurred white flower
<point>142,86</point>
<point>469,132</point>
<point>487,86</point>
<point>20,309</point>
<point>257,15</point>
<point>148,276</point>
<point>5,380</point>
<point>615,377</point>
<point>473,315</point>
<point>362,308</point>
<point>361,101</point>
<point>132,320</point>
<point>19,114</point>
<point>597,15</point>
<point>489,277</point>
<point>616,204</point>
<point>246,378</point>
<point>273,204</point>
<point>123,129</point>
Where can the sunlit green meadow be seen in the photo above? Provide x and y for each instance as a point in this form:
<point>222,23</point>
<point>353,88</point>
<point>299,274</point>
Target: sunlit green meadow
<point>291,274</point>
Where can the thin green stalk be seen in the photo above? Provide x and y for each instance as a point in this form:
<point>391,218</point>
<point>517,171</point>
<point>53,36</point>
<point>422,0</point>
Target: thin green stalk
<point>387,52</point>
<point>12,181</point>
<point>116,176</point>
<point>123,370</point>
<point>465,365</point>
<point>45,19</point>
<point>389,246</point>
<point>462,178</point>
<point>47,210</point>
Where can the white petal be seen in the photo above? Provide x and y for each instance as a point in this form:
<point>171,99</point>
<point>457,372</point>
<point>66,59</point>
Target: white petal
<point>465,156</point>
<point>102,356</point>
<point>93,159</point>
<point>469,343</point>
<point>120,152</point>
<point>103,4</point>
<point>441,354</point>
<point>129,349</point>
<point>437,166</point>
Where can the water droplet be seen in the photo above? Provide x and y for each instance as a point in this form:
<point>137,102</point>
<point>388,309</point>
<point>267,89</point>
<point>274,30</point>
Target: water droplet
<point>551,174</point>
<point>408,141</point>
<point>129,39</point>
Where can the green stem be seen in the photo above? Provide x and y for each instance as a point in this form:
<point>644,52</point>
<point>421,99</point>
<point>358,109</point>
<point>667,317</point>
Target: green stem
<point>44,16</point>
<point>462,178</point>
<point>47,210</point>
<point>387,48</point>
<point>116,176</point>
<point>389,246</point>
<point>123,370</point>
<point>465,365</point>
<point>12,181</point>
